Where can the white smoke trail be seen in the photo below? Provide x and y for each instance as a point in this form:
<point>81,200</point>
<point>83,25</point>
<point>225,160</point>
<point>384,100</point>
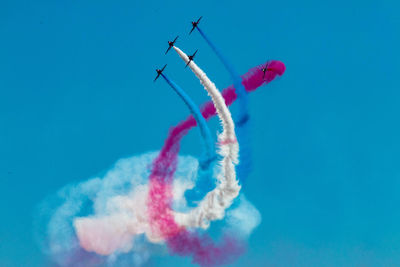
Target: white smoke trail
<point>108,215</point>
<point>116,222</point>
<point>101,215</point>
<point>214,204</point>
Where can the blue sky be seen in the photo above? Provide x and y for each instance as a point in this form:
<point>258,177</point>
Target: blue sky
<point>76,95</point>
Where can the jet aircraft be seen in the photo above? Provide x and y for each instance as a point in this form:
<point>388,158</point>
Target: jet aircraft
<point>159,72</point>
<point>194,24</point>
<point>191,58</point>
<point>171,44</point>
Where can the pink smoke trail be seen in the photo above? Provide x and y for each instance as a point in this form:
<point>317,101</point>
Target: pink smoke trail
<point>161,218</point>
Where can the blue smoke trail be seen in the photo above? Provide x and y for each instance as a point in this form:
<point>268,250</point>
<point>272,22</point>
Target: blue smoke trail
<point>242,119</point>
<point>205,182</point>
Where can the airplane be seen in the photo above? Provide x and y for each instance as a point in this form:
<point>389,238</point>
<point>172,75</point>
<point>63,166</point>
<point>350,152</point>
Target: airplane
<point>159,72</point>
<point>194,24</point>
<point>191,58</point>
<point>265,69</point>
<point>171,44</point>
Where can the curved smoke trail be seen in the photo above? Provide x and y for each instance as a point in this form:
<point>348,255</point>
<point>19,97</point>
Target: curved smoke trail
<point>204,130</point>
<point>164,164</point>
<point>215,202</point>
<point>112,239</point>
<point>161,218</point>
<point>160,214</point>
<point>243,117</point>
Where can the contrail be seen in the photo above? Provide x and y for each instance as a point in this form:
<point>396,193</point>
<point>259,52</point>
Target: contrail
<point>243,117</point>
<point>215,202</point>
<point>204,130</point>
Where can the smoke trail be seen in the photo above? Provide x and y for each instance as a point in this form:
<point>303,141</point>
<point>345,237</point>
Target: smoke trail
<point>164,165</point>
<point>204,130</point>
<point>243,117</point>
<point>159,200</point>
<point>117,193</point>
<point>107,215</point>
<point>214,204</point>
<point>237,81</point>
<point>253,79</point>
<point>205,182</point>
<point>161,217</point>
<point>57,214</point>
<point>162,222</point>
<point>213,207</point>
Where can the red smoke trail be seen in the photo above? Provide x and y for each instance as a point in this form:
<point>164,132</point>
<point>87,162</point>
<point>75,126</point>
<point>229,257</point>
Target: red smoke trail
<point>203,249</point>
<point>161,218</point>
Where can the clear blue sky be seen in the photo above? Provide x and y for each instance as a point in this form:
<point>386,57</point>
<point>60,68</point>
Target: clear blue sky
<point>76,94</point>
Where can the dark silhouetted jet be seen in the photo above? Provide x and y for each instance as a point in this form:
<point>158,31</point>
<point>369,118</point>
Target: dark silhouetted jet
<point>194,24</point>
<point>265,69</point>
<point>159,72</point>
<point>191,58</point>
<point>171,44</point>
